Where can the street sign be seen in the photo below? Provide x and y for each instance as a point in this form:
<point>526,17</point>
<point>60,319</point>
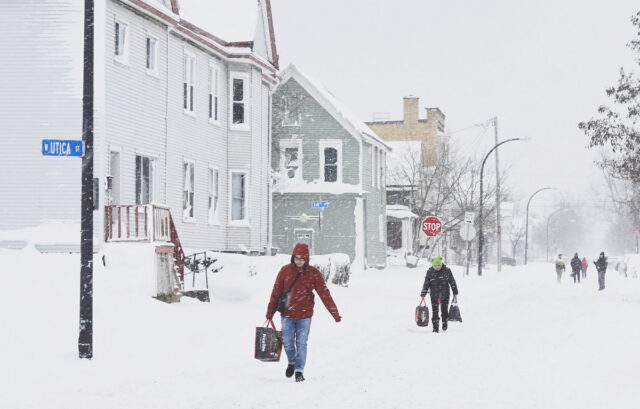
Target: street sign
<point>468,217</point>
<point>57,147</point>
<point>467,232</point>
<point>431,226</point>
<point>319,204</point>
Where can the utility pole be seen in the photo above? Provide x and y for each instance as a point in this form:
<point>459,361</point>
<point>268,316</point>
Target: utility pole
<point>85,337</point>
<point>498,225</point>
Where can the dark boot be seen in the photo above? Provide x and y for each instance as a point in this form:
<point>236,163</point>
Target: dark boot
<point>444,325</point>
<point>299,377</point>
<point>436,326</point>
<point>289,372</point>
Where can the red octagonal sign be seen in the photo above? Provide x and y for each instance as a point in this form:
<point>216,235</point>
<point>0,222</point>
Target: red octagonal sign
<point>431,226</point>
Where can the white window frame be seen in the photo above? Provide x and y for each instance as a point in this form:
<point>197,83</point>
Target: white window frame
<point>151,54</point>
<point>373,168</point>
<point>186,163</point>
<point>213,94</point>
<point>291,143</point>
<point>330,143</point>
<point>245,221</point>
<point>246,100</point>
<point>189,79</point>
<point>286,117</point>
<point>214,195</point>
<point>153,165</point>
<point>381,228</point>
<point>121,49</point>
<point>383,167</point>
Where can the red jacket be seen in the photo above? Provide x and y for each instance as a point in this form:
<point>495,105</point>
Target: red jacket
<point>301,299</point>
<point>584,263</point>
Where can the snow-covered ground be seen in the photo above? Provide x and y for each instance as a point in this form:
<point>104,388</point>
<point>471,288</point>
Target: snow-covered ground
<point>526,342</point>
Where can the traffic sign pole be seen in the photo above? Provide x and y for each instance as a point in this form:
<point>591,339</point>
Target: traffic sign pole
<point>85,337</point>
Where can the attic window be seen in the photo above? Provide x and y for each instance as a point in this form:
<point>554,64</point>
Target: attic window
<point>291,112</point>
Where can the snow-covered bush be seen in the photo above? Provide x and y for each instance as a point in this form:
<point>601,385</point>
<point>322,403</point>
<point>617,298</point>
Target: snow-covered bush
<point>336,265</point>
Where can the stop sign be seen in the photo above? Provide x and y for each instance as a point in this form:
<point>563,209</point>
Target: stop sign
<point>431,226</point>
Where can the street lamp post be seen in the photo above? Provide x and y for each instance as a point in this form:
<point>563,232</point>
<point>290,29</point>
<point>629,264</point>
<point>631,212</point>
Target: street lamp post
<point>480,236</point>
<point>548,219</point>
<point>526,229</point>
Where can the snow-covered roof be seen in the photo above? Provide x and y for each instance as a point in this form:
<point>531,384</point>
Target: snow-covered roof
<point>230,20</point>
<point>333,105</point>
<point>317,187</point>
<point>400,212</point>
<point>403,162</point>
<point>241,29</point>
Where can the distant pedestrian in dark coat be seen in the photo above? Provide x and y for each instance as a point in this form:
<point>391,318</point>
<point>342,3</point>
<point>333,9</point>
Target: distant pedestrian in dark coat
<point>585,265</point>
<point>601,266</point>
<point>437,282</point>
<point>576,265</point>
<point>560,267</point>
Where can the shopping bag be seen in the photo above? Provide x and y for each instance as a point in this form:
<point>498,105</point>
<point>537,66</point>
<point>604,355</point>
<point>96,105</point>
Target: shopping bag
<point>268,345</point>
<point>454,311</point>
<point>422,314</point>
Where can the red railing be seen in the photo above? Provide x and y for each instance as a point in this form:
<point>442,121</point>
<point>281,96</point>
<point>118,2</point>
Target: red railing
<point>178,251</point>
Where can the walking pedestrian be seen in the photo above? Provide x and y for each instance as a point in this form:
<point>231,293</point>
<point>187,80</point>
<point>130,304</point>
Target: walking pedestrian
<point>299,279</point>
<point>601,267</point>
<point>560,267</point>
<point>437,282</point>
<point>585,265</point>
<point>576,265</point>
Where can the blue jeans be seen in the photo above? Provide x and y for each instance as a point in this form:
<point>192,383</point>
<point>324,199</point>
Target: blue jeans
<point>601,279</point>
<point>295,333</point>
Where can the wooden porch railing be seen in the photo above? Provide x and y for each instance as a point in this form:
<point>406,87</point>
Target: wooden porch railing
<point>150,222</point>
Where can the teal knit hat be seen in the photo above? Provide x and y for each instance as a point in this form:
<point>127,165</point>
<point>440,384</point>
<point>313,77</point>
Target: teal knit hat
<point>436,261</point>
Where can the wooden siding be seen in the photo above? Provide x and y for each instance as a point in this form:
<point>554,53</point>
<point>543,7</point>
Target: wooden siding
<point>40,98</point>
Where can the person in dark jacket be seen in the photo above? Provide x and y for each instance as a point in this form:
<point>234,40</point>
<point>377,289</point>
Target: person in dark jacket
<point>601,267</point>
<point>437,282</point>
<point>296,320</point>
<point>576,265</point>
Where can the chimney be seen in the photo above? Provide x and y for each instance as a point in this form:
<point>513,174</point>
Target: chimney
<point>435,116</point>
<point>411,109</point>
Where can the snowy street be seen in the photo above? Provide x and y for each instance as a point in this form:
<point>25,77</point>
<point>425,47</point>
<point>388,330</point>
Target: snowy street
<point>526,342</point>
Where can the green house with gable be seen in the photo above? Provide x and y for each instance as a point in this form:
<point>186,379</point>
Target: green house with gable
<point>329,175</point>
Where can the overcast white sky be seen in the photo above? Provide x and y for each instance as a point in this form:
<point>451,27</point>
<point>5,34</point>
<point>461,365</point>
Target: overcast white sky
<point>540,66</point>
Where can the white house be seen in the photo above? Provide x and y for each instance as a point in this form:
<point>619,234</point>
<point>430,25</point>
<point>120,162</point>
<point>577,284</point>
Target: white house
<point>181,120</point>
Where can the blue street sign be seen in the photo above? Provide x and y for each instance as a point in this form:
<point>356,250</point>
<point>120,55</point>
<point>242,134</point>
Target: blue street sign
<point>319,204</point>
<point>57,147</point>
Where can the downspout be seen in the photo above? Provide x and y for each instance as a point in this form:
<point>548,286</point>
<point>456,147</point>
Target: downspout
<point>166,122</point>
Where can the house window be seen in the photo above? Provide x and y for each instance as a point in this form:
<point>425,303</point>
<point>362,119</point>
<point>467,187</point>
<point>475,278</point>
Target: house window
<point>188,175</point>
<point>238,196</point>
<point>374,167</point>
<point>145,168</point>
<point>331,160</point>
<point>214,178</point>
<point>291,112</point>
<point>291,159</point>
<point>214,92</point>
<point>121,41</point>
<point>239,101</point>
<point>381,173</point>
<point>152,55</point>
<point>188,82</point>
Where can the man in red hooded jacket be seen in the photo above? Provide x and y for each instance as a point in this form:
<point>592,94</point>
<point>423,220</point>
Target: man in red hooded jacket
<point>300,279</point>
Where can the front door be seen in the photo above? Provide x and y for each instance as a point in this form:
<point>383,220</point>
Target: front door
<point>304,236</point>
